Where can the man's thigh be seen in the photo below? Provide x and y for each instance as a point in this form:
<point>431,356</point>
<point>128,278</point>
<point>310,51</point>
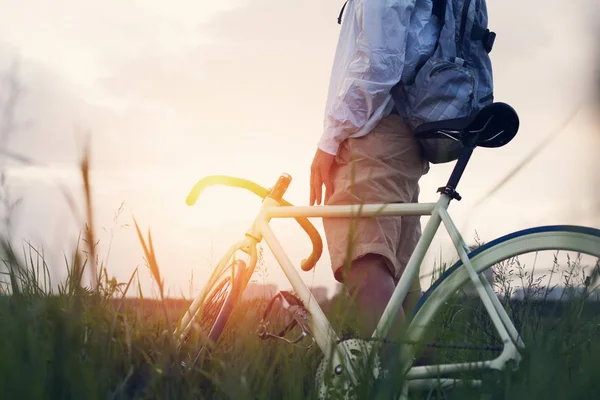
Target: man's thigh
<point>382,167</point>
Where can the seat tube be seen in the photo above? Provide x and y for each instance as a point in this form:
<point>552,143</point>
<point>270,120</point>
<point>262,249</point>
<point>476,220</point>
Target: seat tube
<point>460,166</point>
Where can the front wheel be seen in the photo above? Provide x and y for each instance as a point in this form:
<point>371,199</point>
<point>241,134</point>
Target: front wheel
<point>212,317</point>
<point>543,278</point>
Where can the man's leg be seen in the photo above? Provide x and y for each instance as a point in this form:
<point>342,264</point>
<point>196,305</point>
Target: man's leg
<point>371,285</point>
<point>382,167</point>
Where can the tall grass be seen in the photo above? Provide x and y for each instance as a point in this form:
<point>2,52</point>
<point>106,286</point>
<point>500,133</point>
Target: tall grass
<point>86,341</point>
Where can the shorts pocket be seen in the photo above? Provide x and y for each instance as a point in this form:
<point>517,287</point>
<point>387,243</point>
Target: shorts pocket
<point>342,157</point>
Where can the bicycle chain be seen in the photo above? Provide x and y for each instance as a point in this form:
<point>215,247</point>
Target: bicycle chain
<point>437,345</point>
<point>461,346</point>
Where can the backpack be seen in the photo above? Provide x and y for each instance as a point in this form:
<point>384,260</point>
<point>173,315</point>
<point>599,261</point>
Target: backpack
<point>455,81</point>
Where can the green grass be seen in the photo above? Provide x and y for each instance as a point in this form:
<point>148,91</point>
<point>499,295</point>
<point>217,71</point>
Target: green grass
<point>92,342</point>
<point>95,344</point>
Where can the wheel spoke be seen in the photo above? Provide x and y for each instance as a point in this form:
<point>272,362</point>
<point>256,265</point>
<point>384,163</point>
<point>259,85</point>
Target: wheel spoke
<point>215,311</point>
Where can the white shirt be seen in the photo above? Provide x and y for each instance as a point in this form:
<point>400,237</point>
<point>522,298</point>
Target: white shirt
<point>380,42</point>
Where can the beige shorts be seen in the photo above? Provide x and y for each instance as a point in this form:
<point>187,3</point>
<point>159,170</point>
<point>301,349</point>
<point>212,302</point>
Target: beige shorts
<point>387,165</point>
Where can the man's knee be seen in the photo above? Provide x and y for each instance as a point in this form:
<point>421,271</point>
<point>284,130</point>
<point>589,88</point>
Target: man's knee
<point>369,272</point>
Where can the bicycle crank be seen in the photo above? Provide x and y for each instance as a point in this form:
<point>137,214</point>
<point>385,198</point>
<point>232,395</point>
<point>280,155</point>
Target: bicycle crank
<point>333,381</point>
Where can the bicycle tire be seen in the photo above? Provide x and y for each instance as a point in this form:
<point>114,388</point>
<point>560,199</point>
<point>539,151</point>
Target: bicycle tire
<point>560,237</point>
<point>222,308</point>
<point>233,296</point>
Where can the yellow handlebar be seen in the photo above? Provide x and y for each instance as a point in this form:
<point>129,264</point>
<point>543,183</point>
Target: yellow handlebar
<point>260,191</point>
<point>226,181</point>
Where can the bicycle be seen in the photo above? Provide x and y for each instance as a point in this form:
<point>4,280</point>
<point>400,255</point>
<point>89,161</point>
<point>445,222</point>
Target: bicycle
<point>494,126</point>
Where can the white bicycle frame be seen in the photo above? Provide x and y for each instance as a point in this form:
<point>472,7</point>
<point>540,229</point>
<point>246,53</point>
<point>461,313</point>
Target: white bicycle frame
<point>321,329</point>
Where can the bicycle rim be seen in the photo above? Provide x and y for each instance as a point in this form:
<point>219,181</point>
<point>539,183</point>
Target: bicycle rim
<point>213,316</point>
<point>218,308</point>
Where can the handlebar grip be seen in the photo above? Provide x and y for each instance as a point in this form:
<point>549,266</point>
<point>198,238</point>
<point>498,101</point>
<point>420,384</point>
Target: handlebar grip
<point>317,243</point>
<point>310,262</point>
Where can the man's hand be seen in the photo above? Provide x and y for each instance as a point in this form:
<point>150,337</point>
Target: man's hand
<point>320,174</point>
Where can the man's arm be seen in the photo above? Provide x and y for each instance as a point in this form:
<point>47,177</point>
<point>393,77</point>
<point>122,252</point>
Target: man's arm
<point>370,72</point>
<point>374,68</point>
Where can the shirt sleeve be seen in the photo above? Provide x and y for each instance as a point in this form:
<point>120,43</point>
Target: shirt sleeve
<point>373,65</point>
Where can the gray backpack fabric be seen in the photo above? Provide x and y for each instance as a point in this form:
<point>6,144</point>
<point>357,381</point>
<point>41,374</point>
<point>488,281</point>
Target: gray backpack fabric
<point>456,81</point>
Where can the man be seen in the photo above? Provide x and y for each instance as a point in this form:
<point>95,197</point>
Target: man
<point>368,154</point>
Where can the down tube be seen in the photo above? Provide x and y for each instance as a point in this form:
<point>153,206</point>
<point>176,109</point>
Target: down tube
<point>323,334</point>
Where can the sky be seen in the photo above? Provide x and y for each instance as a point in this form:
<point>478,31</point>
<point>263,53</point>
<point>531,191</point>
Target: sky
<point>171,92</point>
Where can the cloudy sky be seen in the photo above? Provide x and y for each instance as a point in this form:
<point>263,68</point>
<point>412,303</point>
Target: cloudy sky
<point>171,92</point>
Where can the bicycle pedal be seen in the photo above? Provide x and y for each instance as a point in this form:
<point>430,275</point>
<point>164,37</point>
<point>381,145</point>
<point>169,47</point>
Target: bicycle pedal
<point>297,314</point>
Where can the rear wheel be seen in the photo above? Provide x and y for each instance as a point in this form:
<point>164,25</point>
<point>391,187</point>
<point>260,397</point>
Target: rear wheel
<point>543,278</point>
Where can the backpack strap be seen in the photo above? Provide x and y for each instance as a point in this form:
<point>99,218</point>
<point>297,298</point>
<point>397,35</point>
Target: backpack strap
<point>439,10</point>
<point>342,12</point>
<point>463,27</point>
<point>486,36</point>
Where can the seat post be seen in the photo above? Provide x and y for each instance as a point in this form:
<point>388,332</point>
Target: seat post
<point>459,168</point>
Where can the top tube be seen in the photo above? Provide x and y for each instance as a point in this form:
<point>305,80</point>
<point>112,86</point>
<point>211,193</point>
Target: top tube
<point>365,210</point>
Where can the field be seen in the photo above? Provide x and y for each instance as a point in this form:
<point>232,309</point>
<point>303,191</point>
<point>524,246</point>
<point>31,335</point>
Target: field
<point>94,341</point>
<point>98,344</point>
